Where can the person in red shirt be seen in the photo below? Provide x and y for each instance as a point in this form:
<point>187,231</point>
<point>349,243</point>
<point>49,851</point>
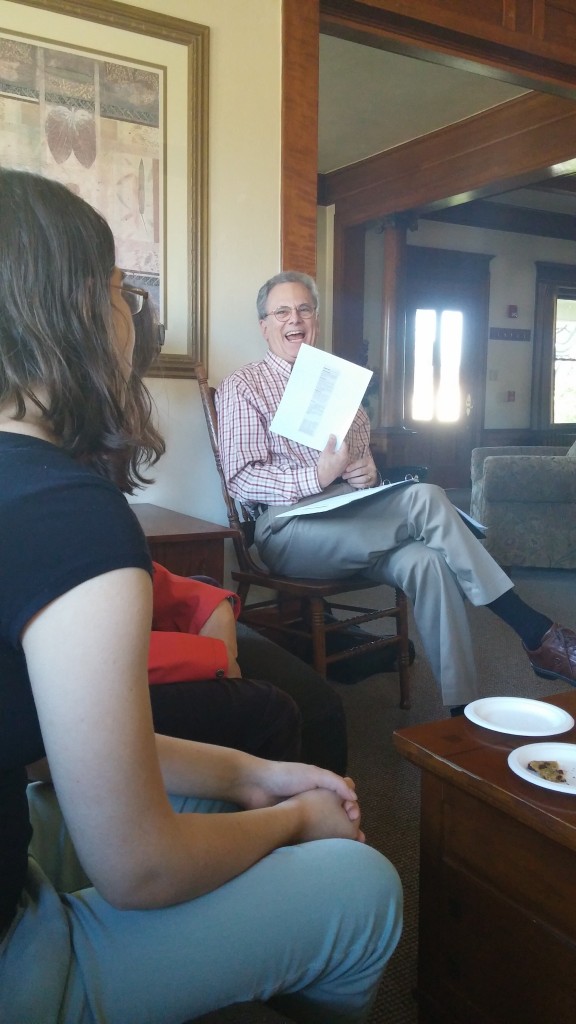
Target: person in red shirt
<point>193,629</point>
<point>199,691</point>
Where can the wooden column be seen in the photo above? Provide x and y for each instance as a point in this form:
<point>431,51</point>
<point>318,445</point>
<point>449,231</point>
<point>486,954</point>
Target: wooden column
<point>348,313</point>
<point>391,405</point>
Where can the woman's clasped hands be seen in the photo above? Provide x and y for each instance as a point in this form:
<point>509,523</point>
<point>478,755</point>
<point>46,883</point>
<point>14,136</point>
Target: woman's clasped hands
<point>322,805</point>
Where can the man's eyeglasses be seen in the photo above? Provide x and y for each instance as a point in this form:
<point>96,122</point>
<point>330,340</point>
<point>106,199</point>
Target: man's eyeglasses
<point>283,313</point>
<point>133,297</point>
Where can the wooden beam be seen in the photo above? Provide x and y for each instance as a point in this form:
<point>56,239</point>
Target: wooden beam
<point>505,147</point>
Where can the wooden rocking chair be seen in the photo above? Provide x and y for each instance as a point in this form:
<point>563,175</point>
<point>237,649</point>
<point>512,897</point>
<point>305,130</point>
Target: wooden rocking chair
<point>297,600</point>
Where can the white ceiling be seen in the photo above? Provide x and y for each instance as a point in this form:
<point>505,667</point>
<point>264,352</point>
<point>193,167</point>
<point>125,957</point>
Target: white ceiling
<point>372,100</point>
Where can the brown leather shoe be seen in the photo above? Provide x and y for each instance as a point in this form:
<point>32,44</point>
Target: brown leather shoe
<point>556,656</point>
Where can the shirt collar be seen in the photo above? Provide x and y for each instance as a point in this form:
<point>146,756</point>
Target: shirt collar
<point>284,367</point>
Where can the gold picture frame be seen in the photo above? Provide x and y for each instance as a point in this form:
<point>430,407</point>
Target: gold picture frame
<point>142,150</point>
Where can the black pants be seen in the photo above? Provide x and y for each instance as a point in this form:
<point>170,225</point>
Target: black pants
<point>324,736</point>
<point>299,717</point>
<point>242,713</point>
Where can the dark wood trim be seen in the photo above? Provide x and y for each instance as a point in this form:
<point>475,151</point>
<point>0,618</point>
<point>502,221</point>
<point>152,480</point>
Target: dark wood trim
<point>299,159</point>
<point>563,274</point>
<point>505,147</point>
<point>542,354</point>
<point>391,397</point>
<point>348,312</point>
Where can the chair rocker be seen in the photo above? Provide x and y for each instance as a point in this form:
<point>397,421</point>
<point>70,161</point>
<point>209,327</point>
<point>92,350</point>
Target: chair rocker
<point>302,601</point>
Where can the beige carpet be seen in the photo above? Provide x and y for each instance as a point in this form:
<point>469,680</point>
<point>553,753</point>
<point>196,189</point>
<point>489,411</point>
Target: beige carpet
<point>389,785</point>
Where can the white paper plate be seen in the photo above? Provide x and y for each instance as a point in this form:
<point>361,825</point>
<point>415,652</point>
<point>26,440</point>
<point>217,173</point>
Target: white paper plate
<point>519,716</point>
<point>563,753</point>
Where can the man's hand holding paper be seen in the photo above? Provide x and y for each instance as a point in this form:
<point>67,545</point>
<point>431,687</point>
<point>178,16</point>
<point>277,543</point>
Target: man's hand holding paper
<point>332,462</point>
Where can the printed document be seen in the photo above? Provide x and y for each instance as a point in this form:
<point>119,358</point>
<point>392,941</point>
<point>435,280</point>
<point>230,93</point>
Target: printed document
<point>321,398</point>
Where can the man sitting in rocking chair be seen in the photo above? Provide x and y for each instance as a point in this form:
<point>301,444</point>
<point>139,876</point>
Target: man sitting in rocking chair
<point>411,538</point>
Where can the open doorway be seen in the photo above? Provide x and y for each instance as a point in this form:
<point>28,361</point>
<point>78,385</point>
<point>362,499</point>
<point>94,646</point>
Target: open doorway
<point>453,176</point>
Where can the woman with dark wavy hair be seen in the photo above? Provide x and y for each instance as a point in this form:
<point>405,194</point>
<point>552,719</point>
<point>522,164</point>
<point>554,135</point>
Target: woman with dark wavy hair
<point>251,879</point>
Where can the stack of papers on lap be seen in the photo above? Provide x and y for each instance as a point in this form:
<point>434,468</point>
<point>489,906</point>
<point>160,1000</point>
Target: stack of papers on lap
<point>321,398</point>
<point>338,500</point>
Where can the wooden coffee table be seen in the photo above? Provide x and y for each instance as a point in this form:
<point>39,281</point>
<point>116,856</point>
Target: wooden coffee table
<point>497,928</point>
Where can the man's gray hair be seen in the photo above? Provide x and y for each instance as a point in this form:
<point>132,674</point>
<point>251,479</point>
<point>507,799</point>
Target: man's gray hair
<point>285,277</point>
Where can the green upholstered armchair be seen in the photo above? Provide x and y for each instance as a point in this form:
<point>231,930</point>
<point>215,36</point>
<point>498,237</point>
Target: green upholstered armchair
<point>526,497</point>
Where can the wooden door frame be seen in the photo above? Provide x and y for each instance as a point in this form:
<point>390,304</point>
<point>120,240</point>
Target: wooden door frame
<point>516,51</point>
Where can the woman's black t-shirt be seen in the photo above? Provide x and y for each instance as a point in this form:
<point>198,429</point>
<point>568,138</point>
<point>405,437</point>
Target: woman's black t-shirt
<point>60,524</point>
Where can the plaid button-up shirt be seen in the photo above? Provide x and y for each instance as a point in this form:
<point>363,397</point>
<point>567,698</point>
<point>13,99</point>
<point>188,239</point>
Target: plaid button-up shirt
<point>262,467</point>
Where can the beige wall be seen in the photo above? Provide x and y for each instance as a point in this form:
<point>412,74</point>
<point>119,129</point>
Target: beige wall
<point>244,229</point>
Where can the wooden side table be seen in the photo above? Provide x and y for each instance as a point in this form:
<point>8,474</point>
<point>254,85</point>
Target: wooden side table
<point>497,929</point>
<point>183,544</point>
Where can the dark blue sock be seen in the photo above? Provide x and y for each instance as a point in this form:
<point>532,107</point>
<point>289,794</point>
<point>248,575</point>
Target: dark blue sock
<point>529,624</point>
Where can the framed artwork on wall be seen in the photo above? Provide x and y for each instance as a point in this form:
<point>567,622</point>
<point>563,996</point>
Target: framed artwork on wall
<point>112,101</point>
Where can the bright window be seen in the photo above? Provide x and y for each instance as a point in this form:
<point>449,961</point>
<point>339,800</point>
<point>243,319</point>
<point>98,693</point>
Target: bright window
<point>564,383</point>
<point>437,393</point>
